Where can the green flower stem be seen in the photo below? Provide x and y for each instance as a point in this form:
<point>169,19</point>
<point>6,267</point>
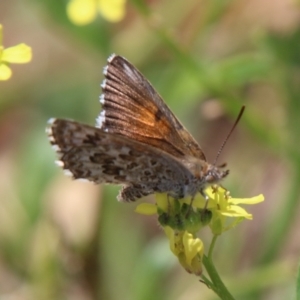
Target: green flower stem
<point>208,283</point>
<point>212,245</point>
<point>218,286</point>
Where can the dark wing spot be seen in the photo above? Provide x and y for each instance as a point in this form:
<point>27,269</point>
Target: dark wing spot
<point>100,158</point>
<point>96,158</point>
<point>91,139</point>
<point>153,162</point>
<point>111,170</point>
<point>81,174</point>
<point>124,156</point>
<point>132,165</point>
<point>121,178</point>
<point>158,115</point>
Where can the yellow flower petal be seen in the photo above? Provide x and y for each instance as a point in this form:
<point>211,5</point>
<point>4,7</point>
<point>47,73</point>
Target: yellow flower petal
<point>112,10</point>
<point>5,72</point>
<point>194,268</point>
<point>236,211</point>
<point>17,54</point>
<point>169,233</point>
<point>175,240</point>
<point>192,247</point>
<point>162,201</point>
<point>253,200</point>
<point>210,191</point>
<point>82,12</point>
<point>146,209</point>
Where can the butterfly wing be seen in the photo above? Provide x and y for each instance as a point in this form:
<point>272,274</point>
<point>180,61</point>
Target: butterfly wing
<point>89,153</point>
<point>132,108</point>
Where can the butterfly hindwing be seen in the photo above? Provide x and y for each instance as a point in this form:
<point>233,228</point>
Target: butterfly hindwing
<point>89,153</point>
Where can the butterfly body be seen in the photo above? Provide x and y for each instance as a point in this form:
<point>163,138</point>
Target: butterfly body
<point>137,141</point>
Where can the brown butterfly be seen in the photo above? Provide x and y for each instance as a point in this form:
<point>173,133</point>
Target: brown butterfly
<point>137,141</point>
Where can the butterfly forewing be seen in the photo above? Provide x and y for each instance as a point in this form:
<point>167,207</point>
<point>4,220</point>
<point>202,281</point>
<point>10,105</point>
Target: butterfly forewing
<point>89,153</point>
<point>132,108</point>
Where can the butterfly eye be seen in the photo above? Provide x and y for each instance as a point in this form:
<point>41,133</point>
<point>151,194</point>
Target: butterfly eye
<point>210,178</point>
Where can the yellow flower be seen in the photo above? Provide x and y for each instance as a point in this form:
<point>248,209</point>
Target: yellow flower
<point>223,206</point>
<point>82,12</point>
<point>19,54</point>
<point>181,220</point>
<point>187,248</point>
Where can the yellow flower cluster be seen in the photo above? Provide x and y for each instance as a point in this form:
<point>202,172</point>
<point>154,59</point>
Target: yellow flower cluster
<point>82,12</point>
<point>182,219</point>
<point>19,54</point>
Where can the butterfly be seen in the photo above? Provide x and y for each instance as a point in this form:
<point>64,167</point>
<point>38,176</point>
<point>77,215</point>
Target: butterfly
<point>137,142</point>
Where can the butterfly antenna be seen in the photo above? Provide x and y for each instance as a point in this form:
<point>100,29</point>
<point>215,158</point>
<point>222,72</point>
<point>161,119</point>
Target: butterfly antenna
<point>229,134</point>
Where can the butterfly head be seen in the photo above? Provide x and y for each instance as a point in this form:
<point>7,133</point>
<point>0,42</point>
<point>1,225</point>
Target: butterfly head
<point>214,174</point>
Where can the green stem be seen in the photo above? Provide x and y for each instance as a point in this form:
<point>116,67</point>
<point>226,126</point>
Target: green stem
<point>212,245</point>
<point>218,286</point>
<point>208,283</point>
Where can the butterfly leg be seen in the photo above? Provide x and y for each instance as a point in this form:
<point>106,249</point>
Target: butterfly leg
<point>190,207</point>
<point>131,193</point>
<point>205,197</point>
<point>205,211</point>
<point>165,218</point>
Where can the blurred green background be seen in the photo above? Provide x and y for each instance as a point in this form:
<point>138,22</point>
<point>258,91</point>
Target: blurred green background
<point>61,239</point>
